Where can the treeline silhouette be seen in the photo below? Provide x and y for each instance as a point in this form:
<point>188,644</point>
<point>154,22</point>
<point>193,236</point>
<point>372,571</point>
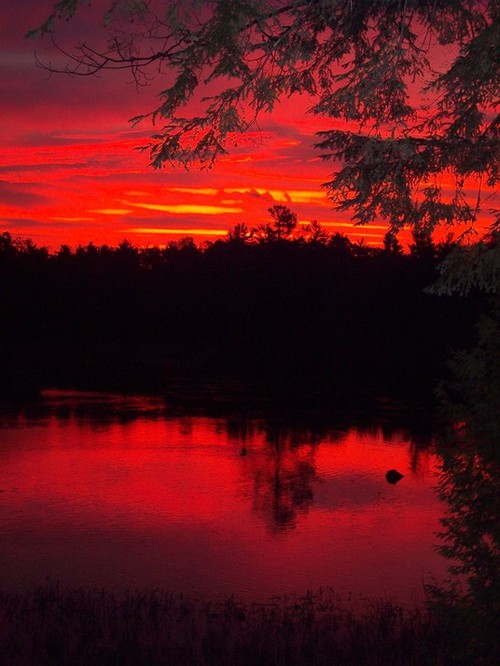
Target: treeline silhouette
<point>313,310</point>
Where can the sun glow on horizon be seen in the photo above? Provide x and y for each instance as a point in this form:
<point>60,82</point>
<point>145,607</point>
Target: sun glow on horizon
<point>187,209</point>
<point>176,231</point>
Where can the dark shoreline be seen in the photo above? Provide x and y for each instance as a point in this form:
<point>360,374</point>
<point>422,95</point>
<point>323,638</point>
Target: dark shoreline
<point>302,321</point>
<point>312,408</point>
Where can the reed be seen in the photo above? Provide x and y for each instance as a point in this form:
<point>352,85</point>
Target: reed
<point>51,625</point>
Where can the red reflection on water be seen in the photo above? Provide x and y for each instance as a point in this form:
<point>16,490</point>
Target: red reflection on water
<point>191,504</point>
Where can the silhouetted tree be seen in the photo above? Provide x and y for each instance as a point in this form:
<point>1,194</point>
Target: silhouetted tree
<point>316,234</point>
<point>341,244</point>
<point>282,227</point>
<point>392,245</point>
<point>239,234</point>
<point>468,604</point>
<point>422,245</point>
<point>7,246</point>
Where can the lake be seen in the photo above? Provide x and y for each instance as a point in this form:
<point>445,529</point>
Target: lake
<point>128,492</point>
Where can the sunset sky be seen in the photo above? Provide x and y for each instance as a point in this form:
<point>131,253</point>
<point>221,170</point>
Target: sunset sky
<point>69,172</point>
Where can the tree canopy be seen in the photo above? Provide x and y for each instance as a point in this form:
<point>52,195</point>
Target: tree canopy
<point>410,87</point>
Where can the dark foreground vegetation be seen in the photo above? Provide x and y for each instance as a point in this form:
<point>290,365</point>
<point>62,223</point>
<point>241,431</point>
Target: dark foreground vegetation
<point>312,310</point>
<point>81,627</point>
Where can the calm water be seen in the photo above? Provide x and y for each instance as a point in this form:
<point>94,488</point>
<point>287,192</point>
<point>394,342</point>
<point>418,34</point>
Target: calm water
<point>104,490</point>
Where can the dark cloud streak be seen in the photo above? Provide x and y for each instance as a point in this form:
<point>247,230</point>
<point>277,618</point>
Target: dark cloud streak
<point>19,194</point>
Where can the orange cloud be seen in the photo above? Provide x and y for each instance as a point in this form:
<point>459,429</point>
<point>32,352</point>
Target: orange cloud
<point>112,211</point>
<point>187,209</point>
<point>283,196</point>
<point>209,191</point>
<point>177,231</point>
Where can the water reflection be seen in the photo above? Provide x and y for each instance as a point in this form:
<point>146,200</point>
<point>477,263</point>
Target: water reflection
<point>125,491</point>
<point>283,479</point>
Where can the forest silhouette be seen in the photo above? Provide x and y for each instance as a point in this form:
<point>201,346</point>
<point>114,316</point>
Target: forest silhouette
<point>282,307</point>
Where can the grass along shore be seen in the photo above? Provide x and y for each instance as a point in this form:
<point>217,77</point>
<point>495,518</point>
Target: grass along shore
<point>50,625</point>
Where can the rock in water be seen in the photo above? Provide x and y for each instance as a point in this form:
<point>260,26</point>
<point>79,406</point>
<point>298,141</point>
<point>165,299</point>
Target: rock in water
<point>393,476</point>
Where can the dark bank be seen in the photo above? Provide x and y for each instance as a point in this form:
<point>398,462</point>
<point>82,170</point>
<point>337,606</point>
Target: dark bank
<point>319,317</point>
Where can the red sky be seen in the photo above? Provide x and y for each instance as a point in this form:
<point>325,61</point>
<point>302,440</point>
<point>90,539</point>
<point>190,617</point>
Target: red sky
<point>69,172</point>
